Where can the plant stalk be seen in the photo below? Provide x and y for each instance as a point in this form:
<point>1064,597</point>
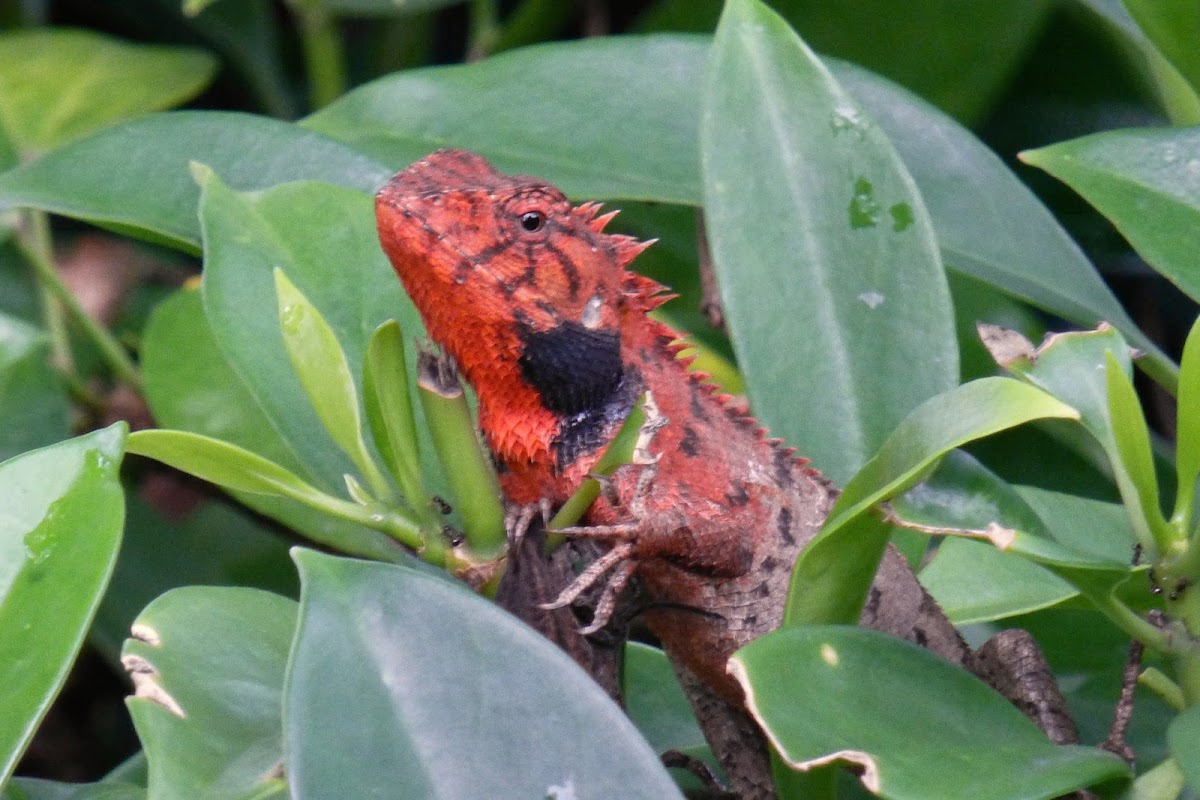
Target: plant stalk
<point>34,244</point>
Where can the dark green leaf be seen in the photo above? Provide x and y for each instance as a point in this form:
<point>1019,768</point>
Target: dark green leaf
<point>1174,27</point>
<point>207,665</point>
<point>57,85</point>
<point>154,196</point>
<point>917,726</point>
<point>853,264</point>
<point>59,535</point>
<point>390,410</point>
<point>33,401</point>
<point>440,694</point>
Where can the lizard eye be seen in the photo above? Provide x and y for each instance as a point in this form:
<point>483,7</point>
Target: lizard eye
<point>533,221</point>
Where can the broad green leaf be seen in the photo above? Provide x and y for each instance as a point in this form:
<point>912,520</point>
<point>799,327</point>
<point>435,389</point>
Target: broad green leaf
<point>33,401</point>
<point>853,263</point>
<point>989,224</point>
<point>1147,182</point>
<point>1174,27</point>
<point>154,196</point>
<point>639,143</point>
<point>238,469</point>
<point>1183,737</point>
<point>19,295</point>
<point>59,84</point>
<point>324,238</point>
<point>1163,781</point>
<point>190,387</point>
<point>977,45</point>
<point>655,702</point>
<point>38,789</point>
<point>1072,367</point>
<point>1187,435</point>
<point>438,693</point>
<point>833,573</point>
<point>207,665</point>
<point>61,512</point>
<point>321,366</point>
<point>915,725</point>
<point>972,581</point>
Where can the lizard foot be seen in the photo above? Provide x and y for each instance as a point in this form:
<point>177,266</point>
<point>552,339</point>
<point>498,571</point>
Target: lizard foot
<point>622,567</point>
<point>517,519</point>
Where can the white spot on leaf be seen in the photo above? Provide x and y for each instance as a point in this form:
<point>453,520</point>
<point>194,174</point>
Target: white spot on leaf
<point>873,300</point>
<point>829,655</point>
<point>146,685</point>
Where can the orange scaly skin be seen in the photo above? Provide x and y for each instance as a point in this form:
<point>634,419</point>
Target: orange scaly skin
<point>534,302</point>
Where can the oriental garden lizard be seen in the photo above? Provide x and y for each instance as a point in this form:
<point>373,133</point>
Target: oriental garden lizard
<point>536,305</point>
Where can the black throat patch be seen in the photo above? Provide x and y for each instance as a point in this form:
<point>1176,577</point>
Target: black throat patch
<point>578,374</point>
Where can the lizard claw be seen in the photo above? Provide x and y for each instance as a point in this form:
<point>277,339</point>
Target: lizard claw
<point>617,559</point>
<point>517,519</point>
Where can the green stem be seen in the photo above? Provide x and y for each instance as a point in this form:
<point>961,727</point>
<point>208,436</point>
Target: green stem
<point>324,57</point>
<point>1132,623</point>
<point>1154,680</point>
<point>34,244</point>
<point>485,29</point>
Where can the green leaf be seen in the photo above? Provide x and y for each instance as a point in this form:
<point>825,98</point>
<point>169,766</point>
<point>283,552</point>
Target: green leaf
<point>1132,440</point>
<point>207,665</point>
<point>390,411</point>
<point>989,224</point>
<point>1187,435</point>
<point>638,144</point>
<point>438,693</point>
<point>37,789</point>
<point>853,264</point>
<point>833,573</point>
<point>1183,737</point>
<point>59,535</point>
<point>321,366</point>
<point>656,704</point>
<point>1147,182</point>
<point>33,401</point>
<point>154,196</point>
<point>1178,97</point>
<point>214,544</point>
<point>57,85</point>
<point>190,387</point>
<point>972,581</point>
<point>978,46</point>
<point>927,730</point>
<point>324,238</point>
<point>1174,27</point>
<point>233,467</point>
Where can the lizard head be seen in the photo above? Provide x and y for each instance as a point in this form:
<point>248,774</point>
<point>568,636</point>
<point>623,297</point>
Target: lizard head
<point>505,266</point>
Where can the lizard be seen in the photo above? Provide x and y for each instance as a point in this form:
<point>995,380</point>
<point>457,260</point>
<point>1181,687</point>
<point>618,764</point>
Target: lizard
<point>537,305</point>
